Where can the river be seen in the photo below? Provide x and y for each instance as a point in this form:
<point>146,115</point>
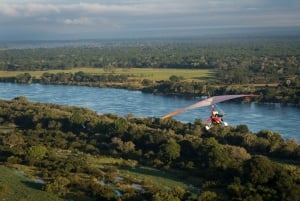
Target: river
<point>274,117</point>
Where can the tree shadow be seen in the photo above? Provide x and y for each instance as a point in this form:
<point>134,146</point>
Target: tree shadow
<point>203,78</point>
<point>33,184</point>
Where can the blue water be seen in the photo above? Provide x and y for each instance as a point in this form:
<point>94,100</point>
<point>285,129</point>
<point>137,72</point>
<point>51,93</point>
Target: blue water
<point>274,117</point>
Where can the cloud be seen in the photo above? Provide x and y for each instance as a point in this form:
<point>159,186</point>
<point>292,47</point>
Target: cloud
<point>128,16</point>
<point>26,10</point>
<point>141,8</point>
<point>9,10</point>
<point>79,21</point>
<point>34,9</point>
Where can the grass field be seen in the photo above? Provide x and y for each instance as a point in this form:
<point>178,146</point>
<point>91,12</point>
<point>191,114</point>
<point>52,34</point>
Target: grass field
<point>137,73</point>
<point>15,186</point>
<point>146,175</point>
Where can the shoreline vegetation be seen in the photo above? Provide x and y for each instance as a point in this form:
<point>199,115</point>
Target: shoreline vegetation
<point>170,82</point>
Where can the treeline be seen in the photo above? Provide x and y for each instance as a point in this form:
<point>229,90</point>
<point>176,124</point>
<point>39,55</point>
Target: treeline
<point>78,78</point>
<point>281,93</point>
<point>232,163</point>
<point>176,85</point>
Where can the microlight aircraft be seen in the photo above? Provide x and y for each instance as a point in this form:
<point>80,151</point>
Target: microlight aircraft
<point>215,117</point>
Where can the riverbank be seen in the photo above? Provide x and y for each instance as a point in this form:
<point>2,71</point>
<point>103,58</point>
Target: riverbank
<point>174,85</point>
<point>256,116</point>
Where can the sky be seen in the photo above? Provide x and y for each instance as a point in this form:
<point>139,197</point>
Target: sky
<point>92,19</point>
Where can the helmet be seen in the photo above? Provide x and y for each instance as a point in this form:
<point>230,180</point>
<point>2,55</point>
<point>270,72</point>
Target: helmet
<point>215,112</point>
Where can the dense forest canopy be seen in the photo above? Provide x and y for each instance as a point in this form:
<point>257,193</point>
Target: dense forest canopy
<point>65,147</point>
<point>260,55</point>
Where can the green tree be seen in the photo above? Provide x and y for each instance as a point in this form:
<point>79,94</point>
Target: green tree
<point>24,78</point>
<point>259,170</point>
<point>170,150</point>
<point>119,126</point>
<point>274,139</point>
<point>13,139</point>
<point>214,154</point>
<point>164,196</point>
<point>58,186</point>
<point>36,153</point>
<point>174,78</point>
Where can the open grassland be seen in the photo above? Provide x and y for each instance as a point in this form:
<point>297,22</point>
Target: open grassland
<point>136,73</point>
<point>15,186</point>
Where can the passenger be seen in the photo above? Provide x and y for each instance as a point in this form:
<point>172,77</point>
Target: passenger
<point>216,118</point>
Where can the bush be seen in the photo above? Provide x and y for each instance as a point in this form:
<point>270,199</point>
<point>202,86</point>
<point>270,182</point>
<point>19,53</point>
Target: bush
<point>207,196</point>
<point>14,160</point>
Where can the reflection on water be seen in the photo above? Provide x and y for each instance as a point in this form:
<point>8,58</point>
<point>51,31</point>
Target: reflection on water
<point>283,119</point>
